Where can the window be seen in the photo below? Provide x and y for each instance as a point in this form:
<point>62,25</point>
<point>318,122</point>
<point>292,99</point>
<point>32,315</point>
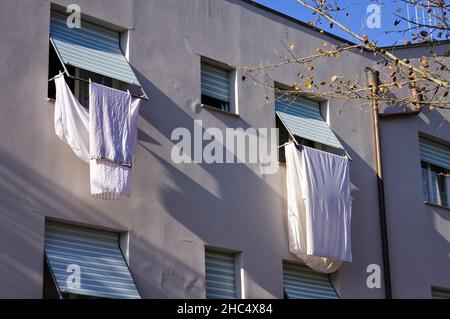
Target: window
<point>81,89</point>
<point>436,185</point>
<point>301,282</point>
<point>85,263</point>
<point>300,119</point>
<point>216,87</point>
<point>91,51</point>
<point>220,275</point>
<point>440,293</point>
<point>435,165</point>
<point>283,138</point>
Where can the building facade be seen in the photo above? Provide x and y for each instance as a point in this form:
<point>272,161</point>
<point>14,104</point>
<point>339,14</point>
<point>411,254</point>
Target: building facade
<point>182,216</point>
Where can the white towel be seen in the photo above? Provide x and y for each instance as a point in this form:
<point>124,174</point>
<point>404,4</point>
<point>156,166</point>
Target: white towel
<point>110,124</point>
<point>296,211</point>
<point>108,180</point>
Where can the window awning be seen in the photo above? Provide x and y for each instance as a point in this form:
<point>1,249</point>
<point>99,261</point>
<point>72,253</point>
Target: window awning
<point>435,153</point>
<point>300,282</point>
<point>103,270</point>
<point>302,118</point>
<point>92,48</point>
<point>439,293</point>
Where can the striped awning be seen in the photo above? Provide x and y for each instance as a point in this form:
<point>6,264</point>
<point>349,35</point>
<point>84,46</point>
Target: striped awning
<point>91,47</point>
<point>301,282</point>
<point>434,153</point>
<point>220,275</point>
<point>303,119</point>
<point>88,262</point>
<point>439,293</point>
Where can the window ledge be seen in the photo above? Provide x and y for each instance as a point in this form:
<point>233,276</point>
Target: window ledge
<point>214,109</point>
<point>437,206</point>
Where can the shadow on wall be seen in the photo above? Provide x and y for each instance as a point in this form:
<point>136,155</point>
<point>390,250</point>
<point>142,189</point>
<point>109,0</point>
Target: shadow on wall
<point>353,275</point>
<point>222,211</point>
<point>219,203</point>
<point>27,197</point>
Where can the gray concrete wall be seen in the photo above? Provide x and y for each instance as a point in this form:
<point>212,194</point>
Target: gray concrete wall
<point>418,232</point>
<point>175,210</point>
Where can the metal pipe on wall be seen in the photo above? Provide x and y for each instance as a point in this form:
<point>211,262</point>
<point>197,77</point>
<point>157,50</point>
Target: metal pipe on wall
<point>373,82</point>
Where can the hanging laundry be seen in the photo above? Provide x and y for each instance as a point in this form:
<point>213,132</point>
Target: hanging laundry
<point>71,120</point>
<point>112,124</point>
<point>109,180</point>
<point>113,118</point>
<point>308,222</point>
<point>326,181</point>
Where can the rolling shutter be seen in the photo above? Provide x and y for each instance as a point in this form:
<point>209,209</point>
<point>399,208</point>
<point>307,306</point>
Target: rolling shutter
<point>215,82</point>
<point>302,118</point>
<point>103,270</point>
<point>301,282</point>
<point>220,275</point>
<point>438,293</point>
<point>91,47</point>
<point>434,153</point>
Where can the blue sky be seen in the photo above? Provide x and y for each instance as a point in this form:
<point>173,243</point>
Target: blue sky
<point>357,18</point>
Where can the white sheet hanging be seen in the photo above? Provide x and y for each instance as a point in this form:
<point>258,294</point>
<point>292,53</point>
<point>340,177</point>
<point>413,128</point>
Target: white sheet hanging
<point>298,227</point>
<point>71,120</point>
<point>108,180</point>
<point>326,185</point>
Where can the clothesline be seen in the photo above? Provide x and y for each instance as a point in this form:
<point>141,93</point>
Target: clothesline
<point>142,97</point>
<point>300,146</point>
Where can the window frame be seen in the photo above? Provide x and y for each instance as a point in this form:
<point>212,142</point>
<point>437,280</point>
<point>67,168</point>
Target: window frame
<point>298,266</point>
<point>104,80</point>
<point>323,108</point>
<point>429,199</point>
<point>51,288</point>
<point>135,87</point>
<point>239,282</point>
<point>233,109</point>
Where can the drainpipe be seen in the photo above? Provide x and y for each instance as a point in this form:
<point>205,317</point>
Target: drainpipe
<point>373,82</point>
